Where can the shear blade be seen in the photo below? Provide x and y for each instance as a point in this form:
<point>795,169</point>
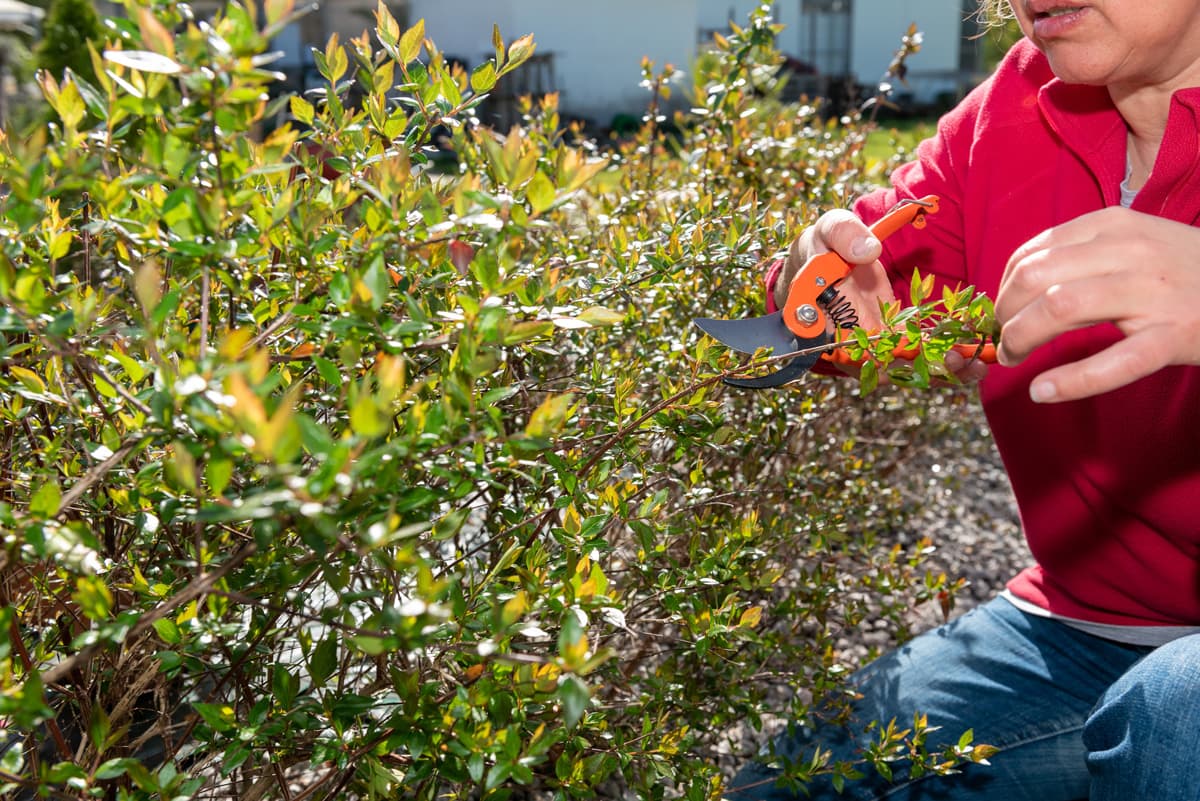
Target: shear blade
<point>751,333</point>
<point>794,369</point>
<point>754,333</point>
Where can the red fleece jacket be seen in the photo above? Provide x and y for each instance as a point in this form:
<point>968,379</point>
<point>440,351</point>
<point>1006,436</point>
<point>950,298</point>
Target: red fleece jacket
<point>1109,487</point>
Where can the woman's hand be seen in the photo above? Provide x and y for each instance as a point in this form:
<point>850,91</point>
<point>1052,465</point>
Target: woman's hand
<point>867,285</point>
<point>1115,265</point>
<point>849,237</point>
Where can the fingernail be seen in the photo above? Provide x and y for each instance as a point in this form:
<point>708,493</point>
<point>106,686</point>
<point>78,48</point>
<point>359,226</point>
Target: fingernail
<point>1002,356</point>
<point>1042,392</point>
<point>864,248</point>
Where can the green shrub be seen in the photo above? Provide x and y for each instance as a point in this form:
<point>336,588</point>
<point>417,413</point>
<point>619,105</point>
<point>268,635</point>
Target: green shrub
<point>68,28</point>
<point>323,467</point>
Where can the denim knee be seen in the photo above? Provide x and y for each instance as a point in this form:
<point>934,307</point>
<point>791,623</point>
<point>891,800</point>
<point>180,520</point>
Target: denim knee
<point>1141,737</point>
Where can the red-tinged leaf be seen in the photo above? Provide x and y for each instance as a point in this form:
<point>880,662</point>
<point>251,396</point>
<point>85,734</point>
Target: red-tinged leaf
<point>154,33</point>
<point>461,255</point>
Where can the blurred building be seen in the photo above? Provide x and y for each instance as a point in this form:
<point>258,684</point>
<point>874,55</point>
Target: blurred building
<point>590,52</point>
<point>593,50</point>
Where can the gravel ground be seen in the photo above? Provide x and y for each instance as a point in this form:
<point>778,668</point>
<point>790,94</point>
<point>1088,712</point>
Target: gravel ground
<point>966,507</point>
<point>959,497</point>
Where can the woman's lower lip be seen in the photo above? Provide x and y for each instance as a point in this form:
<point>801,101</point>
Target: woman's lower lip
<point>1052,27</point>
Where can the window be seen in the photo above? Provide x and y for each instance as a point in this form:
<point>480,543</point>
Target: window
<point>825,35</point>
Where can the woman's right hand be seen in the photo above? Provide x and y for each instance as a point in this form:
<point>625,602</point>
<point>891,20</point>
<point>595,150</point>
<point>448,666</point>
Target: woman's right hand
<point>867,286</point>
<point>840,231</point>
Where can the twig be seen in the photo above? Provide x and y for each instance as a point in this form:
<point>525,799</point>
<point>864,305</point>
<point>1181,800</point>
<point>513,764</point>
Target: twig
<point>198,587</point>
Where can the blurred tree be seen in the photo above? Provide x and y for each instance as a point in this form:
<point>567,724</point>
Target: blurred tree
<point>68,25</point>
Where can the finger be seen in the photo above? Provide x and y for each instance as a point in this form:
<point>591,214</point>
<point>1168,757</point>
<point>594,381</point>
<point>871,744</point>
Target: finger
<point>865,287</point>
<point>1122,363</point>
<point>846,235</point>
<point>1065,307</point>
<point>1081,230</point>
<point>1034,275</point>
<point>968,371</point>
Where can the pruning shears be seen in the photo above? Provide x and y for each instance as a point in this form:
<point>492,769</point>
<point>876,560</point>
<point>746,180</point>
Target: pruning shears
<point>813,301</point>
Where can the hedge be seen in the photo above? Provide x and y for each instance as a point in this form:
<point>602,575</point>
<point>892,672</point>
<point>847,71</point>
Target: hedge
<point>330,470</point>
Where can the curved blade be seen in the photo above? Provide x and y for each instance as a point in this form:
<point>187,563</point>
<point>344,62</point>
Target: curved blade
<point>751,333</point>
<point>794,369</point>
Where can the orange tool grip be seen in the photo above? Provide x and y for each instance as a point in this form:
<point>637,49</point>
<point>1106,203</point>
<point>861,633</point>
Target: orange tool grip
<point>985,353</point>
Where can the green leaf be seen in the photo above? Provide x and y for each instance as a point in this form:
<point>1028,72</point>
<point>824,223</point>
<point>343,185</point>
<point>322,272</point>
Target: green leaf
<point>328,370</point>
<point>115,768</point>
<point>324,661</point>
<point>574,696</point>
<point>483,77</point>
<point>168,631</point>
<point>219,717</point>
<point>450,524</point>
<point>46,500</point>
<point>218,473</point>
<point>284,685</point>
<point>868,378</point>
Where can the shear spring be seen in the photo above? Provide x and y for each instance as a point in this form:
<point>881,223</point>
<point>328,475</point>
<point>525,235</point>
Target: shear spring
<point>840,311</point>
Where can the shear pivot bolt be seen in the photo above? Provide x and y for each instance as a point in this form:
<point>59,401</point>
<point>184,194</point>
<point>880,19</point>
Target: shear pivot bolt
<point>807,314</point>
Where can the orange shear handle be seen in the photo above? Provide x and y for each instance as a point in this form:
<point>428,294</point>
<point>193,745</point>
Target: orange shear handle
<point>802,314</point>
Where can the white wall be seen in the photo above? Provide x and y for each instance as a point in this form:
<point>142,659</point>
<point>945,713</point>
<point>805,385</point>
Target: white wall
<point>463,28</point>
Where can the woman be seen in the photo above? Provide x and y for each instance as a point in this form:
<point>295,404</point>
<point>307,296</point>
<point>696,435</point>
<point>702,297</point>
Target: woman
<point>1069,189</point>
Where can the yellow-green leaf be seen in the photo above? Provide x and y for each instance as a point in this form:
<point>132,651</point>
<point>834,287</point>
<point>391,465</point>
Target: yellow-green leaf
<point>599,315</point>
<point>388,28</point>
<point>93,597</point>
<point>278,9</point>
<point>302,109</point>
<point>411,41</point>
<point>31,380</point>
<point>550,416</point>
<point>751,618</point>
<point>520,50</point>
<point>366,419</point>
<point>540,192</point>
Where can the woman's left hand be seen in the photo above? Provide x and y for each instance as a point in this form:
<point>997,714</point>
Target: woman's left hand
<point>1115,265</point>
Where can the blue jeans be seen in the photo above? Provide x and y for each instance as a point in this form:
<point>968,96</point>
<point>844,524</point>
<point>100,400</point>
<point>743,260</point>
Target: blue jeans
<point>1074,716</point>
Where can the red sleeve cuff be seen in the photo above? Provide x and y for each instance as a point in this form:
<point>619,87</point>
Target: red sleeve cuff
<point>774,269</point>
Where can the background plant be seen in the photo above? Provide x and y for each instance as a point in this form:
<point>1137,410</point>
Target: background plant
<point>327,474</point>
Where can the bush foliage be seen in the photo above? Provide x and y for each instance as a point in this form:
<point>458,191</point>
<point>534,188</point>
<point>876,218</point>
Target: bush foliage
<point>324,469</point>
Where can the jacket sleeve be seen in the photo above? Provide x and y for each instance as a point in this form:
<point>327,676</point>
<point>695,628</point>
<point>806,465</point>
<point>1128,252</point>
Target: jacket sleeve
<point>943,167</point>
<point>940,168</point>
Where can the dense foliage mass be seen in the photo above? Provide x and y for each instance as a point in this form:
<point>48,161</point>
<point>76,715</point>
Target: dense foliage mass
<point>326,473</point>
